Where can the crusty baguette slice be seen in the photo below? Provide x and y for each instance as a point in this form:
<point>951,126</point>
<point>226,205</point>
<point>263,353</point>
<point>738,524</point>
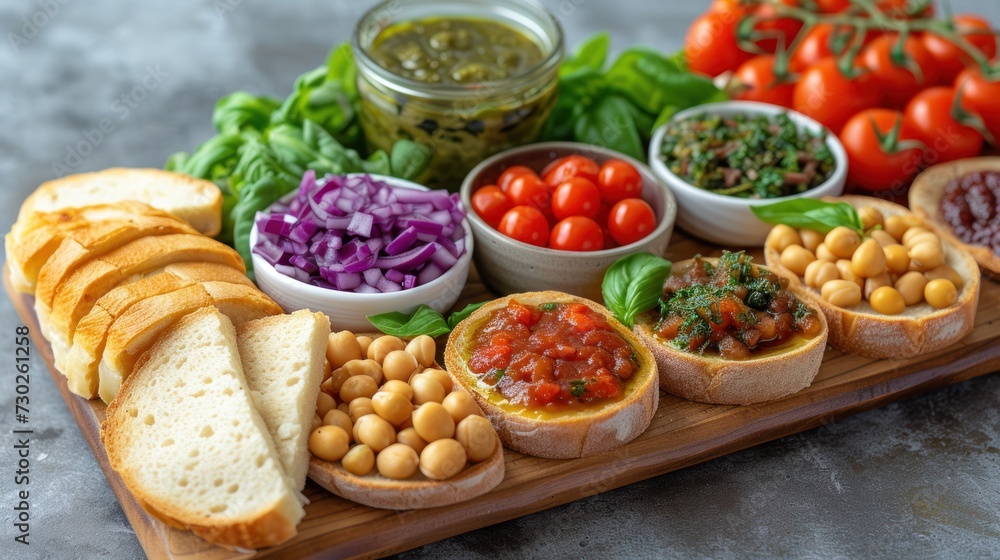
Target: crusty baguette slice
<point>568,434</point>
<point>925,198</point>
<point>138,328</point>
<point>188,443</point>
<point>32,242</point>
<point>81,364</point>
<point>282,359</point>
<point>716,380</point>
<point>196,201</point>
<point>919,329</point>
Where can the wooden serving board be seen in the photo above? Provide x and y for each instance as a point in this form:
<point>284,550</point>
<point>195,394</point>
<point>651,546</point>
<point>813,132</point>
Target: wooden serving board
<point>682,433</point>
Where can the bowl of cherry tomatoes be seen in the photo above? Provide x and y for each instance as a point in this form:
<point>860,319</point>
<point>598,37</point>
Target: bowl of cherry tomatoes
<point>556,215</point>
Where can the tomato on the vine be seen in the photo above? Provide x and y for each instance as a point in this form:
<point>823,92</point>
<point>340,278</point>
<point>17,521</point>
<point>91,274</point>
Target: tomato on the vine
<point>525,224</point>
<point>630,220</point>
<point>775,30</point>
<point>979,95</point>
<point>491,204</point>
<point>576,233</point>
<point>618,179</point>
<point>898,81</point>
<point>831,98</point>
<point>530,191</point>
<point>908,9</point>
<point>949,58</point>
<point>565,168</point>
<point>727,6</point>
<point>761,84</point>
<point>511,173</point>
<point>710,46</point>
<point>876,162</point>
<point>929,117</point>
<point>832,6</point>
<point>576,197</point>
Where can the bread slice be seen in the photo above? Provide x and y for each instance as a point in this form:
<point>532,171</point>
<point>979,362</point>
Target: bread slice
<point>560,435</point>
<point>925,198</point>
<point>917,330</point>
<point>81,364</point>
<point>713,379</point>
<point>137,329</point>
<point>196,201</point>
<point>282,359</point>
<point>188,443</point>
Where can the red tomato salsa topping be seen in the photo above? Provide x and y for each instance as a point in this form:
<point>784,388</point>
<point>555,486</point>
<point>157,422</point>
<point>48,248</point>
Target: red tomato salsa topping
<point>554,355</point>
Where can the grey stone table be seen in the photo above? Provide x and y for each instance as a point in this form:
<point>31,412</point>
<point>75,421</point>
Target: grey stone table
<point>918,478</point>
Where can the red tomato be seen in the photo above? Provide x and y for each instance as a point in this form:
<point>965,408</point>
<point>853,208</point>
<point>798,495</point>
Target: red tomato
<point>576,197</point>
<point>528,190</point>
<point>776,30</point>
<point>491,204</point>
<point>899,83</point>
<point>824,94</point>
<point>617,180</point>
<point>511,173</point>
<point>710,47</point>
<point>929,117</point>
<point>565,168</point>
<point>979,95</point>
<point>870,165</point>
<point>727,6</point>
<point>577,233</point>
<point>760,83</point>
<point>832,6</point>
<point>908,9</point>
<point>950,59</point>
<point>819,43</point>
<point>631,220</point>
<point>525,224</point>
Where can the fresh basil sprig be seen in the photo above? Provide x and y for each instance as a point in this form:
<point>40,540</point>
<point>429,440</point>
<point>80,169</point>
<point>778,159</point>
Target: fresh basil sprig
<point>633,284</point>
<point>425,320</point>
<point>810,213</point>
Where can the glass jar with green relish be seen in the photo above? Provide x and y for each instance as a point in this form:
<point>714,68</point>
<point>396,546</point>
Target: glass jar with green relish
<point>466,78</point>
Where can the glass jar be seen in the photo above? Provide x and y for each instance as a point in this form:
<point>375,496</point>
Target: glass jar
<point>461,123</point>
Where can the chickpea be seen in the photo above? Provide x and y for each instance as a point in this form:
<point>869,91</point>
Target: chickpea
<point>897,259</point>
<point>399,365</point>
<point>397,386</point>
<point>876,282</point>
<point>337,418</point>
<point>336,381</point>
<point>316,422</point>
<point>365,367</point>
<point>442,459</point>
<point>410,437</point>
<point>344,407</point>
<point>476,435</point>
<point>426,389</point>
<point>327,369</point>
<point>358,386</point>
<point>375,432</point>
<point>911,286</point>
<point>869,259</point>
<point>796,259</point>
<point>940,293</point>
<point>361,406</point>
<point>926,255</point>
<point>359,460</point>
<point>381,346</point>
<point>896,226</point>
<point>887,300</point>
<point>460,405</point>
<point>394,407</point>
<point>432,421</point>
<point>781,237</point>
<point>882,238</point>
<point>341,348</point>
<point>329,443</point>
<point>823,253</point>
<point>913,232</point>
<point>441,376</point>
<point>842,293</point>
<point>819,273</point>
<point>397,461</point>
<point>870,217</point>
<point>423,349</point>
<point>324,403</point>
<point>847,273</point>
<point>408,423</point>
<point>842,241</point>
<point>946,272</point>
<point>810,239</point>
<point>364,342</point>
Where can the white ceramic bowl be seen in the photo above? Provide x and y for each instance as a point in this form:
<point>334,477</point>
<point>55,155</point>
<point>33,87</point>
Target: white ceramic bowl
<point>348,310</point>
<point>727,220</point>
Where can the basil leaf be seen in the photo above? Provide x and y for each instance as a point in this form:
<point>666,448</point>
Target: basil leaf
<point>409,159</point>
<point>425,320</point>
<point>241,110</point>
<point>589,54</point>
<point>810,213</point>
<point>457,317</point>
<point>634,284</point>
<point>254,198</point>
<point>610,124</point>
<point>652,81</point>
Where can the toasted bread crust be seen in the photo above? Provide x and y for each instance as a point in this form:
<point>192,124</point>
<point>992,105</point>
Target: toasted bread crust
<point>588,432</point>
<point>921,329</point>
<point>926,193</point>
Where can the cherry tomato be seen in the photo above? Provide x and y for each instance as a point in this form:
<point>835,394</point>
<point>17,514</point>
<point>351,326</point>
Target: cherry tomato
<point>617,180</point>
<point>576,197</point>
<point>511,173</point>
<point>949,58</point>
<point>824,94</point>
<point>929,116</point>
<point>727,6</point>
<point>760,83</point>
<point>870,165</point>
<point>525,224</point>
<point>776,30</point>
<point>630,220</point>
<point>577,233</point>
<point>980,96</point>
<point>819,43</point>
<point>907,9</point>
<point>565,168</point>
<point>491,204</point>
<point>832,6</point>
<point>710,47</point>
<point>528,190</point>
<point>899,83</point>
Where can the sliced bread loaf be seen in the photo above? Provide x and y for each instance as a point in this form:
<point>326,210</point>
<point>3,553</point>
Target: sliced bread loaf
<point>282,359</point>
<point>190,446</point>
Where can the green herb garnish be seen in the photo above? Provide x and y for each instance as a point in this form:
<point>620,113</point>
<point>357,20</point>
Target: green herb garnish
<point>498,374</point>
<point>425,320</point>
<point>548,306</point>
<point>633,284</point>
<point>810,213</point>
<point>578,387</point>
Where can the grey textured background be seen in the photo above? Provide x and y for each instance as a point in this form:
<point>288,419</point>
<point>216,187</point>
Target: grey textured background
<point>915,479</point>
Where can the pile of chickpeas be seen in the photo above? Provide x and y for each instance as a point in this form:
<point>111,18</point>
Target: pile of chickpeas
<point>896,264</point>
<point>383,406</point>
